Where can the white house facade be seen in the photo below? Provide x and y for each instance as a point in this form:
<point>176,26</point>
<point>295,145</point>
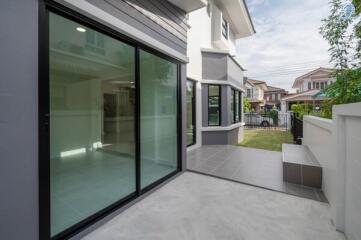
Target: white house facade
<point>255,93</point>
<point>214,73</point>
<point>309,88</point>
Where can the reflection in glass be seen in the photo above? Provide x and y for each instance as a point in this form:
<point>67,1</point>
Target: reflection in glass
<point>213,105</point>
<point>190,109</point>
<point>92,152</point>
<point>232,107</point>
<point>158,118</point>
<point>237,100</point>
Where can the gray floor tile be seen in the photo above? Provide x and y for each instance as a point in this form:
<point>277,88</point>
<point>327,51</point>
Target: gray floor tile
<point>227,168</point>
<point>247,165</point>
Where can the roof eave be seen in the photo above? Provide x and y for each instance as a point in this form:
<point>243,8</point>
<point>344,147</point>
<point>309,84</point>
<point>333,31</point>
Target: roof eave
<point>237,10</point>
<point>189,5</point>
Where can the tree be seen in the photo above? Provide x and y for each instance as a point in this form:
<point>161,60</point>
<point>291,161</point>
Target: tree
<point>246,105</point>
<point>334,30</point>
<point>342,30</point>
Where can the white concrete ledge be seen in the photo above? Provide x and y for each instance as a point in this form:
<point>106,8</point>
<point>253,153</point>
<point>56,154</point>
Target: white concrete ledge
<point>319,122</point>
<point>351,109</point>
<point>214,50</point>
<point>219,128</point>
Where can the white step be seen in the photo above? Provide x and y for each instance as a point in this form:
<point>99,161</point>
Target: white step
<point>300,166</point>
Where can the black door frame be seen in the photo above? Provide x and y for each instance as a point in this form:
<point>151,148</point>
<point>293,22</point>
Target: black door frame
<point>46,6</point>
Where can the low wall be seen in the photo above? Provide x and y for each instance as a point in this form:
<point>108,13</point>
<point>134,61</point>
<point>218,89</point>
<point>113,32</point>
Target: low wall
<point>317,136</point>
<point>336,144</point>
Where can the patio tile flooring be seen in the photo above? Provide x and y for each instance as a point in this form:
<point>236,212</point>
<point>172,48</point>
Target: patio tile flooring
<point>198,207</point>
<point>256,167</point>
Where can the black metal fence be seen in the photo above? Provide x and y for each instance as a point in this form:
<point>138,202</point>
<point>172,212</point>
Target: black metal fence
<point>296,129</point>
<point>266,121</point>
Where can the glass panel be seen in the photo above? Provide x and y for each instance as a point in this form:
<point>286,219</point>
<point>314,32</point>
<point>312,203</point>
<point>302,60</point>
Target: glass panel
<point>190,117</point>
<point>92,152</point>
<point>237,106</point>
<point>158,117</point>
<point>232,105</point>
<point>213,105</point>
<point>225,28</point>
<point>241,95</point>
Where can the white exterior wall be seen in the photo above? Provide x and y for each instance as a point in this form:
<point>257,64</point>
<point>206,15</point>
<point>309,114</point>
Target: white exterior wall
<point>199,36</point>
<point>336,145</point>
<point>353,178</point>
<point>317,136</point>
<point>231,43</point>
<point>258,93</point>
<point>304,86</point>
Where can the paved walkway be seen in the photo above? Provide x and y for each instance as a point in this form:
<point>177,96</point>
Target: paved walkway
<point>198,207</point>
<point>247,165</point>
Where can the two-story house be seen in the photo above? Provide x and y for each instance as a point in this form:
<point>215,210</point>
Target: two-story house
<point>273,96</point>
<point>255,93</point>
<point>215,77</point>
<point>308,88</point>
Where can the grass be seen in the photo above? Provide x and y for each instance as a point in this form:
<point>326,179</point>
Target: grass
<point>266,139</point>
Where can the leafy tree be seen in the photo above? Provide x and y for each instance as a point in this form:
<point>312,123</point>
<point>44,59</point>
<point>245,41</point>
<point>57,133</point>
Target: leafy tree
<point>347,88</point>
<point>357,5</point>
<point>246,105</point>
<point>334,30</point>
<point>301,109</point>
<point>342,30</point>
<point>274,115</point>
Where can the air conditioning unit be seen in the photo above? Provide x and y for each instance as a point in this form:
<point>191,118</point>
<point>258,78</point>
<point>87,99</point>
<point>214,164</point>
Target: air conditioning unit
<point>220,29</point>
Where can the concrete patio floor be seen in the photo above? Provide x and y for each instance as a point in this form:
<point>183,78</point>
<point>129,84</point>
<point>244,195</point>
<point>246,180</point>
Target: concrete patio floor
<point>199,207</point>
<point>257,167</point>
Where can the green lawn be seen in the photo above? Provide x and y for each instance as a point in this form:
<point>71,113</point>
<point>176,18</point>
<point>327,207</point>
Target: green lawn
<point>266,139</point>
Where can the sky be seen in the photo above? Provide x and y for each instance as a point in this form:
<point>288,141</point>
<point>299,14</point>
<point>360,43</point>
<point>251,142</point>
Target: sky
<point>287,43</point>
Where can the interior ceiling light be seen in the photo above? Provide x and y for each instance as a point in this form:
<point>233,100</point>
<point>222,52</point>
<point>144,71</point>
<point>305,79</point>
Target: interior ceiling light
<point>81,29</point>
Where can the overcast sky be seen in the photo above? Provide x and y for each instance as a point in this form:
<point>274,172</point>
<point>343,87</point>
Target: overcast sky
<point>287,43</point>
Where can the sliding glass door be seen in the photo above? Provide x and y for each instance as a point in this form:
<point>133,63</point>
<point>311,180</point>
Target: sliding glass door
<point>92,140</point>
<point>113,117</point>
<point>158,117</point>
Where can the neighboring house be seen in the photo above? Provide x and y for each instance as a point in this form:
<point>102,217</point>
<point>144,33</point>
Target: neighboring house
<point>309,88</point>
<point>92,108</point>
<point>255,94</point>
<point>273,96</point>
<point>215,77</point>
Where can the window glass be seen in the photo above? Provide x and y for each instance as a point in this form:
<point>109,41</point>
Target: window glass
<point>92,102</point>
<point>237,100</point>
<point>240,106</point>
<point>225,28</point>
<point>190,110</point>
<point>158,117</point>
<point>232,107</point>
<point>214,105</point>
